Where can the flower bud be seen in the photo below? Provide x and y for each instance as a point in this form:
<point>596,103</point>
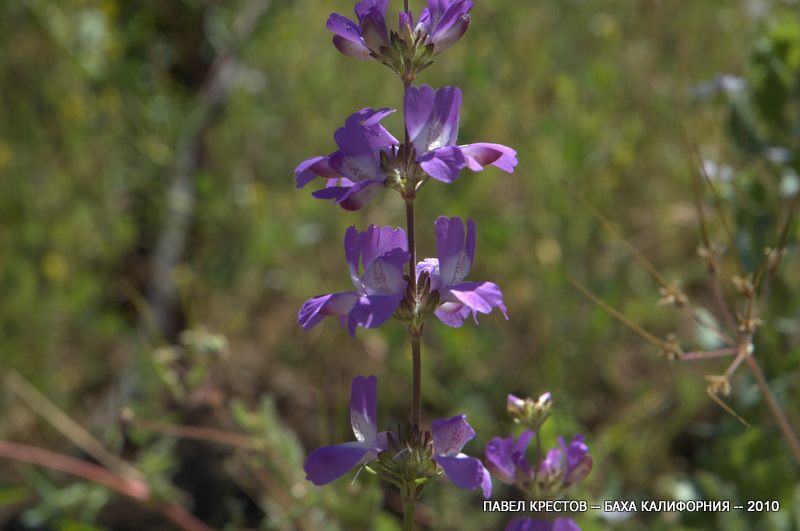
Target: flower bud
<point>442,40</point>
<point>374,32</point>
<point>529,412</point>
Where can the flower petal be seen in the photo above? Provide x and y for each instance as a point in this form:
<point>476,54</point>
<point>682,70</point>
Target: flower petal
<point>352,49</point>
<point>506,458</point>
<point>364,409</point>
<point>382,441</point>
<point>432,117</point>
<point>373,29</point>
<point>379,241</point>
<point>418,108</point>
<point>431,267</point>
<point>359,195</point>
<point>450,435</point>
<point>455,254</point>
<point>579,463</point>
<point>480,297</point>
<point>364,7</point>
<point>370,118</point>
<point>345,28</point>
<point>316,308</point>
<point>443,164</point>
<point>437,8</point>
<point>307,170</point>
<point>405,19</point>
<point>371,311</point>
<point>451,26</point>
<point>328,463</point>
<point>355,158</point>
<point>482,154</point>
<point>353,241</point>
<point>360,142</point>
<point>385,274</point>
<point>498,458</point>
<point>466,472</point>
<point>425,23</point>
<point>453,314</point>
<point>565,524</point>
<point>551,465</point>
<point>529,524</point>
<point>334,189</point>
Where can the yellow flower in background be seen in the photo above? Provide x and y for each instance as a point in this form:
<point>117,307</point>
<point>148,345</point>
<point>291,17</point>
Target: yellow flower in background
<point>55,267</point>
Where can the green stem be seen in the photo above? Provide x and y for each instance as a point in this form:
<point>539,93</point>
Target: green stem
<point>409,509</point>
<point>416,360</point>
<point>538,446</point>
<point>412,247</point>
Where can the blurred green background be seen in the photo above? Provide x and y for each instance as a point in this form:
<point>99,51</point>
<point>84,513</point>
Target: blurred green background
<point>133,130</point>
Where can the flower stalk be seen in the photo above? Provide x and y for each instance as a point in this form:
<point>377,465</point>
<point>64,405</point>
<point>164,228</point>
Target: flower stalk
<point>775,408</point>
<point>416,360</point>
<point>409,510</point>
<point>367,160</point>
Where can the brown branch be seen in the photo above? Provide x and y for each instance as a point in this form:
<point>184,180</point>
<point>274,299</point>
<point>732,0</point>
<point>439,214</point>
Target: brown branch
<point>134,488</point>
<point>73,431</point>
<point>710,354</point>
<point>721,214</point>
<point>644,334</point>
<point>775,409</point>
<point>226,438</point>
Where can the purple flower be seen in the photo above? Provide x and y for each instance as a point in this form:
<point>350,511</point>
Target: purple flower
<point>560,469</point>
<point>353,172</point>
<point>449,437</point>
<point>444,21</point>
<point>382,251</point>
<point>529,524</point>
<point>460,299</point>
<point>567,465</point>
<point>365,39</point>
<point>432,122</point>
<point>328,463</point>
<point>440,24</point>
<point>505,458</point>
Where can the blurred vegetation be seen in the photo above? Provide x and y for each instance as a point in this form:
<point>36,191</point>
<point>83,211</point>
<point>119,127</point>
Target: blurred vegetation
<point>98,102</point>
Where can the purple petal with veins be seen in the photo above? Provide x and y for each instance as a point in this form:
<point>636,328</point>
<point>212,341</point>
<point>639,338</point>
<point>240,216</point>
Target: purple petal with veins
<point>450,435</point>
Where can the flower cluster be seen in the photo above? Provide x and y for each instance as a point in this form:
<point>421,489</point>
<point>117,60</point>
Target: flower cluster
<point>375,259</point>
<point>551,475</point>
<point>408,49</point>
<point>441,448</point>
<point>369,157</point>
